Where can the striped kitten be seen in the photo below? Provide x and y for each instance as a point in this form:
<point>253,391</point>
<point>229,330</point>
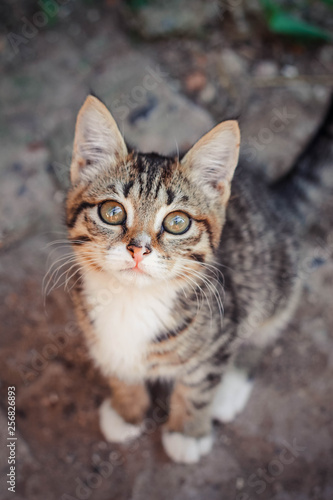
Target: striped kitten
<point>177,275</point>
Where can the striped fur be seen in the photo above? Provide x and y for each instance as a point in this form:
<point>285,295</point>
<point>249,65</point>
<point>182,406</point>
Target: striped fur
<point>232,278</point>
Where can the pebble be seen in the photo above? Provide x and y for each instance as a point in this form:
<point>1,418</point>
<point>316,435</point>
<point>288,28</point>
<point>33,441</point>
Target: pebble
<point>277,351</point>
<point>233,64</point>
<point>240,483</point>
<point>320,92</point>
<point>326,55</point>
<point>289,71</point>
<point>53,398</point>
<point>195,81</point>
<point>266,69</point>
<point>102,445</point>
<point>208,94</point>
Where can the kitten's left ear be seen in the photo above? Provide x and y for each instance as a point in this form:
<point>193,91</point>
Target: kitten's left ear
<point>97,138</point>
<point>213,159</point>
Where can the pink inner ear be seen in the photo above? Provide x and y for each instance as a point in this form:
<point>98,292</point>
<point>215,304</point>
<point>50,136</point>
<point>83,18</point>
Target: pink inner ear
<point>214,157</point>
<point>97,138</point>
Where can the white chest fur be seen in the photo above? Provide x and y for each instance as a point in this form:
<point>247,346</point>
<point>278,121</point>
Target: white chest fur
<point>125,319</point>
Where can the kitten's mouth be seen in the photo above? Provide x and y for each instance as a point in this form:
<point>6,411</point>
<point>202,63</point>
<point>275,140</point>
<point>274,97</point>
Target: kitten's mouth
<point>135,270</point>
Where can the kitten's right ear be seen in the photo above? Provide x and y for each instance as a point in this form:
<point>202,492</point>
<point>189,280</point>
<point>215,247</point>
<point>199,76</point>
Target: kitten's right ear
<point>97,139</point>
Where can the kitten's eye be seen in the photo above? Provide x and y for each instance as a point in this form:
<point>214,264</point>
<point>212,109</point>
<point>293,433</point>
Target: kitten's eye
<point>177,223</point>
<point>112,212</point>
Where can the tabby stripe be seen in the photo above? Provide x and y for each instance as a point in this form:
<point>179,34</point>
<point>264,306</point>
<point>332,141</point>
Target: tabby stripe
<point>199,405</point>
<point>171,196</point>
<point>127,188</point>
<point>158,187</point>
<point>208,228</point>
<point>210,381</point>
<point>194,240</point>
<point>80,239</point>
<point>76,212</point>
<point>198,257</point>
<point>173,333</point>
<point>221,355</point>
<point>111,188</point>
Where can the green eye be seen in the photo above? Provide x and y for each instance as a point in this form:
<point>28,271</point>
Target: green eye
<point>177,223</point>
<point>112,212</point>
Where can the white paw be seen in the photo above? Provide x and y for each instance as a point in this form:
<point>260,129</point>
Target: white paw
<point>186,449</point>
<point>232,395</point>
<point>114,427</point>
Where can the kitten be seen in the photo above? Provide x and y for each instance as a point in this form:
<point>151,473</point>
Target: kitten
<point>183,262</point>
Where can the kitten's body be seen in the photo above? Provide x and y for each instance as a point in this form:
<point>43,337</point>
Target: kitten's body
<point>169,326</point>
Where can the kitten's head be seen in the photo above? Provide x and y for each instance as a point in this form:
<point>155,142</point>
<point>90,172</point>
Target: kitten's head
<point>145,217</point>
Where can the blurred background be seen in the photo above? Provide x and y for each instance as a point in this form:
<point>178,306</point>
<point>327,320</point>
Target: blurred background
<point>169,71</point>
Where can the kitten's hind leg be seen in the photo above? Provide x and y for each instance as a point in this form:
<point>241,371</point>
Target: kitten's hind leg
<point>235,389</point>
<point>232,395</point>
<point>236,386</point>
<point>120,417</point>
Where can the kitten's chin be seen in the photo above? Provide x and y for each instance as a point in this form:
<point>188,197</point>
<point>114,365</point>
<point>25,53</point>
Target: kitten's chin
<point>135,278</point>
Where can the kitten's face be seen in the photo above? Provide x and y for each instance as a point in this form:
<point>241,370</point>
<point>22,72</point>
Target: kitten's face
<point>142,218</point>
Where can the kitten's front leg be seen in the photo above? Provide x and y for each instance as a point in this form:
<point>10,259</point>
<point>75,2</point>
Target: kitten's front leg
<point>187,436</point>
<point>121,416</point>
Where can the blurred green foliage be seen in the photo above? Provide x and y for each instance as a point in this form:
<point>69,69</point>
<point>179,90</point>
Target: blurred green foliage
<point>288,22</point>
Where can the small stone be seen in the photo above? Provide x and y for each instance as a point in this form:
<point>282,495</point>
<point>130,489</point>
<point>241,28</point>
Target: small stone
<point>289,71</point>
<point>195,81</point>
<point>53,399</point>
<point>240,483</point>
<point>208,94</point>
<point>277,351</point>
<point>326,55</point>
<point>266,69</point>
<point>321,92</point>
<point>102,445</point>
<point>233,64</point>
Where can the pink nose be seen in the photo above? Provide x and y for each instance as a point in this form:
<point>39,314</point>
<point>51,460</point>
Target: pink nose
<point>138,252</point>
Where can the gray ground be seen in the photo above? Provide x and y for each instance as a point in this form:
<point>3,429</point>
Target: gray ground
<point>281,446</point>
